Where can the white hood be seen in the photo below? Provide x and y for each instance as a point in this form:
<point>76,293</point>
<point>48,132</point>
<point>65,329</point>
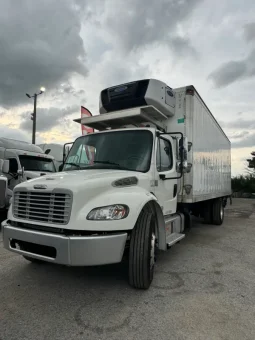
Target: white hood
<point>34,174</point>
<point>79,180</point>
<point>91,189</point>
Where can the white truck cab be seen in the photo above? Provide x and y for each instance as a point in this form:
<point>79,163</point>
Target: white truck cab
<point>21,161</point>
<point>130,187</point>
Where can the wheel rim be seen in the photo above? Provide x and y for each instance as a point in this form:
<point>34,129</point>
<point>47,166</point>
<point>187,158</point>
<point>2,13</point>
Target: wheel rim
<point>152,257</point>
<point>221,212</point>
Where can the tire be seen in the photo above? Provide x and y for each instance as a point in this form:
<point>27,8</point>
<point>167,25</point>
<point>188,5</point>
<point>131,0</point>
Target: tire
<point>217,212</point>
<point>142,251</point>
<point>207,213</point>
<point>31,259</point>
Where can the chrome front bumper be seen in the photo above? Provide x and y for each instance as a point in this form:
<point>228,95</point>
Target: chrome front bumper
<point>72,251</point>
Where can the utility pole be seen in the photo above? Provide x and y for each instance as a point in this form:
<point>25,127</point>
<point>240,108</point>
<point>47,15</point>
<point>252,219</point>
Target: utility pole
<point>33,116</point>
<point>34,119</point>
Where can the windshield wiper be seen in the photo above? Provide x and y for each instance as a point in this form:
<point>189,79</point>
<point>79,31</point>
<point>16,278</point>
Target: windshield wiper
<point>107,162</point>
<point>115,164</point>
<point>73,164</point>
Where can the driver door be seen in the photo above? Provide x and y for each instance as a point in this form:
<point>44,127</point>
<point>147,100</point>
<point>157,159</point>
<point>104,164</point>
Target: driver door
<point>166,190</point>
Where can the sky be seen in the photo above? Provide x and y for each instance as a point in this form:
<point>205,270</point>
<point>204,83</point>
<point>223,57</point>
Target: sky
<point>76,48</point>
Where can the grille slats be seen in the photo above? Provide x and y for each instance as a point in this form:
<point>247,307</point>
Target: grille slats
<point>40,206</point>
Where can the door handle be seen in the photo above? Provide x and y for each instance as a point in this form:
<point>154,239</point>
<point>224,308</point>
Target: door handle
<point>175,190</point>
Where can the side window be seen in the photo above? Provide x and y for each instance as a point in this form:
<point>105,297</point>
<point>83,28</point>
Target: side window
<point>13,165</point>
<point>164,158</point>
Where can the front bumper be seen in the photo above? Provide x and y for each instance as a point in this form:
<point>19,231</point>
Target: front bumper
<point>66,250</point>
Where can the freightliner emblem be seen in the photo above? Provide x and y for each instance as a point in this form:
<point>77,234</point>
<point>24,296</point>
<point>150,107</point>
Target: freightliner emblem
<point>40,186</point>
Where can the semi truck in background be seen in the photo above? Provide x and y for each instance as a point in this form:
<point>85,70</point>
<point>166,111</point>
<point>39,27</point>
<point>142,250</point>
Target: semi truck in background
<point>20,161</point>
<point>58,151</point>
<point>158,157</point>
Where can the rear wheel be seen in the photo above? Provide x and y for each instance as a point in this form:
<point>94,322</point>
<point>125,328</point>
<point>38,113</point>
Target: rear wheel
<point>207,213</point>
<point>217,212</point>
<point>142,251</point>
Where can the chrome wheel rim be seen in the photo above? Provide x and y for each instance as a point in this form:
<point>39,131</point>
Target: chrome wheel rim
<point>221,212</point>
<point>152,257</point>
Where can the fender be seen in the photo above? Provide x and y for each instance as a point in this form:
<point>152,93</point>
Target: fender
<point>136,200</point>
<point>134,197</point>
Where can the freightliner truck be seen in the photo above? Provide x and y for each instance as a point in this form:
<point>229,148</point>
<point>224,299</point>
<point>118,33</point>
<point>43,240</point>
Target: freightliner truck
<point>158,156</point>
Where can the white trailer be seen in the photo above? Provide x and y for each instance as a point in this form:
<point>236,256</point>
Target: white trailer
<point>158,157</point>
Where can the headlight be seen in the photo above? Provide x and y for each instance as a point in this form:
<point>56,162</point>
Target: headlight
<point>110,212</point>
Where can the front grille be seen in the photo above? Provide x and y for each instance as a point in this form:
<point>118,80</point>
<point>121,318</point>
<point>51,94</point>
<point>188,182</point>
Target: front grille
<point>47,207</point>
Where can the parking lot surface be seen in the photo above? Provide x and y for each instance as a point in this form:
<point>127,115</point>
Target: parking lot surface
<point>204,288</point>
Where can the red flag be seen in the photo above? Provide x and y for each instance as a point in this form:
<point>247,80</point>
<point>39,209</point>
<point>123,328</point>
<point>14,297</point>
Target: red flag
<point>85,113</point>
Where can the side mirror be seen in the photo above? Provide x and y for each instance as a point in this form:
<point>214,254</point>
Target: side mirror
<point>60,168</point>
<point>6,166</point>
<point>47,151</point>
<point>21,172</point>
<point>183,152</point>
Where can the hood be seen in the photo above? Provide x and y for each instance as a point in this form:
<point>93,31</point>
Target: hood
<point>34,174</point>
<point>80,179</point>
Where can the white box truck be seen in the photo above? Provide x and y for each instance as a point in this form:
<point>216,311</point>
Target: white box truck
<point>158,157</point>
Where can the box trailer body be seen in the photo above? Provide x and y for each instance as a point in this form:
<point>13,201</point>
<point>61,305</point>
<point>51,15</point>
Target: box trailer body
<point>157,158</point>
<point>210,151</point>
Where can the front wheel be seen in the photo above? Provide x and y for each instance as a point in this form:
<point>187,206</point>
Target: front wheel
<point>142,251</point>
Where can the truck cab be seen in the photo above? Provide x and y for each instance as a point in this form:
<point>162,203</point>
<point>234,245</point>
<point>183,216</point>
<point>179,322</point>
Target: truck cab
<point>23,161</point>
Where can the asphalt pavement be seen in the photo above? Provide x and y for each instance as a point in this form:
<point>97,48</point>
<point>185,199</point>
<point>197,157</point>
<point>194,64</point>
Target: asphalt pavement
<point>204,288</point>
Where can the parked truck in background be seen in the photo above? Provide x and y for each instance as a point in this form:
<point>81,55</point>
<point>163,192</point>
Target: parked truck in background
<point>21,161</point>
<point>158,158</point>
<point>58,151</point>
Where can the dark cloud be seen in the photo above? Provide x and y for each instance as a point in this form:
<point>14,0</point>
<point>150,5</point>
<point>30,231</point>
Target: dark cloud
<point>65,90</point>
<point>39,45</point>
<point>140,23</point>
<point>248,141</point>
<point>228,73</point>
<point>47,118</point>
<point>181,46</point>
<point>249,31</point>
<point>239,124</point>
<point>232,71</point>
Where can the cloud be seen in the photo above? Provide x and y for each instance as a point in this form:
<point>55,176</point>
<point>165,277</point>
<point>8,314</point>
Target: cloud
<point>249,141</point>
<point>249,31</point>
<point>47,118</point>
<point>40,45</point>
<point>228,73</point>
<point>13,134</point>
<point>181,46</point>
<point>238,135</point>
<point>233,71</point>
<point>141,23</point>
<point>239,124</point>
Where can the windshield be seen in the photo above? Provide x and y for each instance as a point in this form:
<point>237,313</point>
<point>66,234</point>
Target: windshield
<point>32,163</point>
<point>129,150</point>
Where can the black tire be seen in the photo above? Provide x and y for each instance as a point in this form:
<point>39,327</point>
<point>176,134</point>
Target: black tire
<point>142,251</point>
<point>31,259</point>
<point>217,212</point>
<point>207,213</point>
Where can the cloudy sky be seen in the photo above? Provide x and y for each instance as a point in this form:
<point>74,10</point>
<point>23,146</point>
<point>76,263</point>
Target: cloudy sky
<point>75,48</point>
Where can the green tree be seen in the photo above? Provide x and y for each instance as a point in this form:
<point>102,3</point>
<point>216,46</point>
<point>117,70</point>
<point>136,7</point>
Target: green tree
<point>251,164</point>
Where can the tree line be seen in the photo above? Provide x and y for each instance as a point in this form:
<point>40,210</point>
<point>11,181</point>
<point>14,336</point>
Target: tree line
<point>245,183</point>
